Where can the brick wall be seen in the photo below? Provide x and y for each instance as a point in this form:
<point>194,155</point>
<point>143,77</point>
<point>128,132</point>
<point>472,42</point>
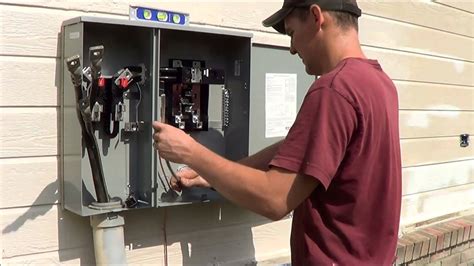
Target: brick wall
<point>447,243</point>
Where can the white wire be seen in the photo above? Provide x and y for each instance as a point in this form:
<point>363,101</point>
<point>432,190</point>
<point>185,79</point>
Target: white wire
<point>139,101</point>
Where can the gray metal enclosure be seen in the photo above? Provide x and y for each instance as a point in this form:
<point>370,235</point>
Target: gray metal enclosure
<point>130,164</point>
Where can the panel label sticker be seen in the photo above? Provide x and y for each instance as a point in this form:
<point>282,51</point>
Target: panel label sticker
<point>280,103</point>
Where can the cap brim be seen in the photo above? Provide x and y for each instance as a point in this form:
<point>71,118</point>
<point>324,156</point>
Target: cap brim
<point>277,20</point>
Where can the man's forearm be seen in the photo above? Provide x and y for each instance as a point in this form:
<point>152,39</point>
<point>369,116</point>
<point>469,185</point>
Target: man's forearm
<point>261,159</point>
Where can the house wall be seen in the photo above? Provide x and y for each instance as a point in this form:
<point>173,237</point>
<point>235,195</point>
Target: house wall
<point>426,47</point>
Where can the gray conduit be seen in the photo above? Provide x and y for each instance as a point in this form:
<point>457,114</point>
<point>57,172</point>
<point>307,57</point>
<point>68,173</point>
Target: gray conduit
<point>107,229</point>
<point>109,244</point>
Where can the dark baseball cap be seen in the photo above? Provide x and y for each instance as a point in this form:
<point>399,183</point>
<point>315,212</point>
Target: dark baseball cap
<point>277,20</point>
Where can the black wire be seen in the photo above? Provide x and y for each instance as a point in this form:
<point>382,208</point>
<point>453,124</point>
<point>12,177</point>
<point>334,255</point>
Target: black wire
<point>163,171</point>
<point>161,179</point>
<point>171,170</point>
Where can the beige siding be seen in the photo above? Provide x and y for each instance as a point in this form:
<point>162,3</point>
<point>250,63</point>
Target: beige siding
<point>426,47</point>
<point>28,131</point>
<point>464,5</point>
<point>419,179</point>
<point>14,90</point>
<point>423,151</point>
<point>429,205</point>
<point>199,235</point>
<point>29,181</point>
<point>434,97</point>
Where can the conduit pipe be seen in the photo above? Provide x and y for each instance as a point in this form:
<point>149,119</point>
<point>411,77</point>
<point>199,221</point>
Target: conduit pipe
<point>108,234</point>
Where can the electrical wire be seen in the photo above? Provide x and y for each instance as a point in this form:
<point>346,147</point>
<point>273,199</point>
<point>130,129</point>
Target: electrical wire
<point>159,157</point>
<point>171,170</point>
<point>161,179</point>
<point>139,101</point>
<point>163,120</point>
<point>163,171</point>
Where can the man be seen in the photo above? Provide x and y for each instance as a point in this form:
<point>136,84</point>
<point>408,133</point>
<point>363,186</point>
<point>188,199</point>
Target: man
<point>339,167</point>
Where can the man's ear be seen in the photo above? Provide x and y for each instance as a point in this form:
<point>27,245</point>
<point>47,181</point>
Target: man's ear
<point>317,16</point>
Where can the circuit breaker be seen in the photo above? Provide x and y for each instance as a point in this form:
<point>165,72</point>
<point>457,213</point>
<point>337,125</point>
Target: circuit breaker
<point>119,76</point>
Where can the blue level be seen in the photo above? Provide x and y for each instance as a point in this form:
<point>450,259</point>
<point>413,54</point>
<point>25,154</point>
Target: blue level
<point>158,15</point>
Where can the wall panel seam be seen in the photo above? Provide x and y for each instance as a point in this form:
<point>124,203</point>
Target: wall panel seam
<point>418,53</point>
<point>30,206</point>
<point>405,109</point>
<point>30,157</point>
<point>434,137</point>
<point>30,56</point>
<point>200,23</point>
<point>453,7</point>
<point>419,25</point>
<point>440,189</point>
<point>438,163</point>
<point>434,83</point>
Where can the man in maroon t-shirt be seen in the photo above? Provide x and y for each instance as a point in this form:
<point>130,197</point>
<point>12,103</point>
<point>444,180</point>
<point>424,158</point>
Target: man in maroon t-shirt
<point>339,167</point>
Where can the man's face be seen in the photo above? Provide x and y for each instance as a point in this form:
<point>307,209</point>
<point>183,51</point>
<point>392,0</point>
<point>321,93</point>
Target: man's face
<point>303,34</point>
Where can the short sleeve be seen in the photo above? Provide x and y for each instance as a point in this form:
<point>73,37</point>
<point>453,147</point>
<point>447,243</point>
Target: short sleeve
<point>317,141</point>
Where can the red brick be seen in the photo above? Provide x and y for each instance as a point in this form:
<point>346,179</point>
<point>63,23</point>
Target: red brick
<point>451,260</point>
<point>425,244</point>
<point>409,252</point>
<point>470,219</point>
<point>400,253</point>
<point>460,248</point>
<point>467,229</point>
<point>454,238</point>
<point>417,240</point>
<point>425,248</point>
<point>417,250</point>
<point>460,235</point>
<point>440,255</point>
<point>422,261</point>
<point>467,255</point>
<point>406,253</point>
<point>432,243</point>
<point>460,225</point>
<point>439,237</point>
<point>443,244</point>
<point>447,235</point>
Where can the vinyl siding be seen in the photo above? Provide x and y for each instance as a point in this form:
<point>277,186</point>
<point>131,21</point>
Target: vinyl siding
<point>426,47</point>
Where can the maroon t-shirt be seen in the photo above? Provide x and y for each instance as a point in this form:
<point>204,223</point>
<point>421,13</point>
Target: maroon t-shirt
<point>346,136</point>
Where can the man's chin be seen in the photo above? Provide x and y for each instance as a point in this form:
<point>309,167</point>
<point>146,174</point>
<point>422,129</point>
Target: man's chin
<point>311,71</point>
<point>308,70</point>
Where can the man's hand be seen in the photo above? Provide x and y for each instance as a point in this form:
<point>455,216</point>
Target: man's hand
<point>172,143</point>
<point>188,178</point>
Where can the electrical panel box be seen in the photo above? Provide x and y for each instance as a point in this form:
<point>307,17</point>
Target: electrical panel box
<point>119,76</point>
